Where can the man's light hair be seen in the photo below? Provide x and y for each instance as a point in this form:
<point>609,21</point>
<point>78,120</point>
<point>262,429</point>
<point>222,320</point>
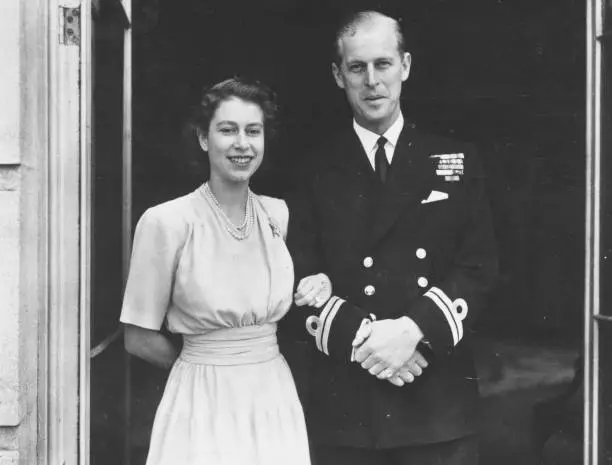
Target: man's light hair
<point>351,24</point>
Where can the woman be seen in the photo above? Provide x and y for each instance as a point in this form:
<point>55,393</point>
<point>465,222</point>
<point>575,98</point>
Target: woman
<point>213,265</point>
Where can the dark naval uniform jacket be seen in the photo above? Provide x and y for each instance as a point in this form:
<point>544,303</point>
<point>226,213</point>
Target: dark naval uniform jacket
<point>420,245</point>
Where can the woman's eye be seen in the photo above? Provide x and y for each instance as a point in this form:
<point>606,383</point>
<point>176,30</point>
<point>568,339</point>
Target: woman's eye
<point>226,131</point>
<point>254,132</point>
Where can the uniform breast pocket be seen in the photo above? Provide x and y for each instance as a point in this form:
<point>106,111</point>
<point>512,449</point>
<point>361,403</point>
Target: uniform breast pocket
<point>435,197</point>
<point>443,218</point>
<point>440,206</point>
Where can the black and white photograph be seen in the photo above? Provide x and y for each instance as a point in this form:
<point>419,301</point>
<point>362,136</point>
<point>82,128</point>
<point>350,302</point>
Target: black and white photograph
<point>305,232</point>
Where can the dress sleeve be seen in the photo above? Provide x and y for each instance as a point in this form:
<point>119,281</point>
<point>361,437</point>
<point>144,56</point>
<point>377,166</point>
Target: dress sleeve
<point>283,218</point>
<point>151,276</point>
<point>278,212</point>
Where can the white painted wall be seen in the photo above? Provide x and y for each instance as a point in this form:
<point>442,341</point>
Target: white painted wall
<point>23,158</point>
<point>10,81</point>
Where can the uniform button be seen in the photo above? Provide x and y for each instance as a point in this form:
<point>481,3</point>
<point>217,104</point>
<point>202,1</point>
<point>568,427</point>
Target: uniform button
<point>368,262</point>
<point>422,281</point>
<point>369,290</point>
<point>388,415</point>
<point>421,253</point>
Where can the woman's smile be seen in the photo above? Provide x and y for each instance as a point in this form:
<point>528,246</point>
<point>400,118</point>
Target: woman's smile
<point>241,161</point>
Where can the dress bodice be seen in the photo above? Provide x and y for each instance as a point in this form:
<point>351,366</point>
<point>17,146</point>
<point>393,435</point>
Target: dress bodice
<point>187,269</point>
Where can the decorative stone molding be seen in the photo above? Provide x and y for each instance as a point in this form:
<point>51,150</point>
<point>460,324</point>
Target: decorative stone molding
<point>9,406</point>
<point>9,457</point>
<point>10,267</point>
<point>10,75</point>
<point>9,178</point>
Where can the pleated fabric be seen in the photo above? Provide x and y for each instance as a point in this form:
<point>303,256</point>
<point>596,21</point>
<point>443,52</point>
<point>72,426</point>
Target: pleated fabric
<point>241,410</point>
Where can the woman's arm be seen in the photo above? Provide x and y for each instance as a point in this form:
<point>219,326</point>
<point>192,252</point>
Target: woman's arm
<point>150,345</point>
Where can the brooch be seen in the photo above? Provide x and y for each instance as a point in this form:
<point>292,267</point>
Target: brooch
<point>450,166</point>
<point>276,232</point>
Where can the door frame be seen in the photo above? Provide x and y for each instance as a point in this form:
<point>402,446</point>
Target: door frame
<point>595,14</point>
<point>64,340</point>
<point>62,371</point>
<point>65,344</point>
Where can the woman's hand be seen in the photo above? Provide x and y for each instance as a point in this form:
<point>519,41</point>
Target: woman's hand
<point>313,290</point>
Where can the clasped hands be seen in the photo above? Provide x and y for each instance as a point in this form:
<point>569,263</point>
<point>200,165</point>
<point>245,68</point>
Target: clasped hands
<point>385,348</point>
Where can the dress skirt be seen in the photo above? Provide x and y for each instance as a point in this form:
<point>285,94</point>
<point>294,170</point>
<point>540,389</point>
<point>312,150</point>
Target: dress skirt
<point>230,400</point>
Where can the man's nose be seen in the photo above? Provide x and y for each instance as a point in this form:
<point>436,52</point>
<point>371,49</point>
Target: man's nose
<point>371,76</point>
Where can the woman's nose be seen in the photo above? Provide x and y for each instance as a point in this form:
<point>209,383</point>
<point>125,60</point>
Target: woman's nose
<point>241,141</point>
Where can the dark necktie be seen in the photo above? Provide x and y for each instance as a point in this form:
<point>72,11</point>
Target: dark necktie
<point>380,160</point>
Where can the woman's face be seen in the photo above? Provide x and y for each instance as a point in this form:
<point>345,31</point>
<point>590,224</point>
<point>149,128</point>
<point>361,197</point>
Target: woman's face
<point>235,141</point>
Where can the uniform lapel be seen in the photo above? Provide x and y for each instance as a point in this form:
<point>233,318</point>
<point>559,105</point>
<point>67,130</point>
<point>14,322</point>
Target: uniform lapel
<point>356,188</point>
<point>350,158</point>
<point>409,179</point>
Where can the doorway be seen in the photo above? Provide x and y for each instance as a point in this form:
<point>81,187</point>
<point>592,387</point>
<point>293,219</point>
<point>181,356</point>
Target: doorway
<point>506,76</point>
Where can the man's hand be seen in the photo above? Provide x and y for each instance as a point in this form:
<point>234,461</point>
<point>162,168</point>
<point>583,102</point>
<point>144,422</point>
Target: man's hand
<point>389,344</point>
<point>407,374</point>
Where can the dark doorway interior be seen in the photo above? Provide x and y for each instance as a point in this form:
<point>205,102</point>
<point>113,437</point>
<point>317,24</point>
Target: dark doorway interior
<point>507,76</point>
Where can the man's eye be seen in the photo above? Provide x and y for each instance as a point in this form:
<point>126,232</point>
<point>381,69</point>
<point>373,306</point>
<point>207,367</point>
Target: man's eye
<point>226,131</point>
<point>383,65</point>
<point>356,68</point>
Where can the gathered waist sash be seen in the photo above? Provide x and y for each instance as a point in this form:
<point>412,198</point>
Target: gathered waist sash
<point>231,346</point>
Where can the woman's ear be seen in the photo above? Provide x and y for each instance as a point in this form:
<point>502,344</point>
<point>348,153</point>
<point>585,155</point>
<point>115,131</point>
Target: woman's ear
<point>203,140</point>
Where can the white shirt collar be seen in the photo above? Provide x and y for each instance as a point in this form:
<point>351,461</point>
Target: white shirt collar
<point>368,138</point>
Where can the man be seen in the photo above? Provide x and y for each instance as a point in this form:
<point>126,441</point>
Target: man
<point>400,225</point>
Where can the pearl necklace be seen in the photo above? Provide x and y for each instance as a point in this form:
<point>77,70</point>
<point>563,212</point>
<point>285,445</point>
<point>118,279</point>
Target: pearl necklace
<point>242,231</point>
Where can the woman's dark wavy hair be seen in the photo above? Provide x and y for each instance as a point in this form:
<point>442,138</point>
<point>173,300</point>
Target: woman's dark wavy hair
<point>237,87</point>
<point>197,167</point>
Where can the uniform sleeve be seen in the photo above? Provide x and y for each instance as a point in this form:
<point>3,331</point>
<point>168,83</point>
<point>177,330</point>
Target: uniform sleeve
<point>448,308</point>
<point>332,328</point>
<point>151,275</point>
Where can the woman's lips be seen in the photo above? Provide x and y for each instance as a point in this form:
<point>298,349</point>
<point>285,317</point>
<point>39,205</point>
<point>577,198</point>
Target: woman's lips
<point>241,160</point>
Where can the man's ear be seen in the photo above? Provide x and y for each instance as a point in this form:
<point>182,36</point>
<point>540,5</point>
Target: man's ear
<point>337,75</point>
<point>203,140</point>
<point>406,62</point>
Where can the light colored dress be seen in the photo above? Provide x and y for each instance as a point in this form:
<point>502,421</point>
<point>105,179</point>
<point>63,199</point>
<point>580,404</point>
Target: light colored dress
<point>230,398</point>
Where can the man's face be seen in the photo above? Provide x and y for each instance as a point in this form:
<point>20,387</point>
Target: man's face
<point>371,73</point>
